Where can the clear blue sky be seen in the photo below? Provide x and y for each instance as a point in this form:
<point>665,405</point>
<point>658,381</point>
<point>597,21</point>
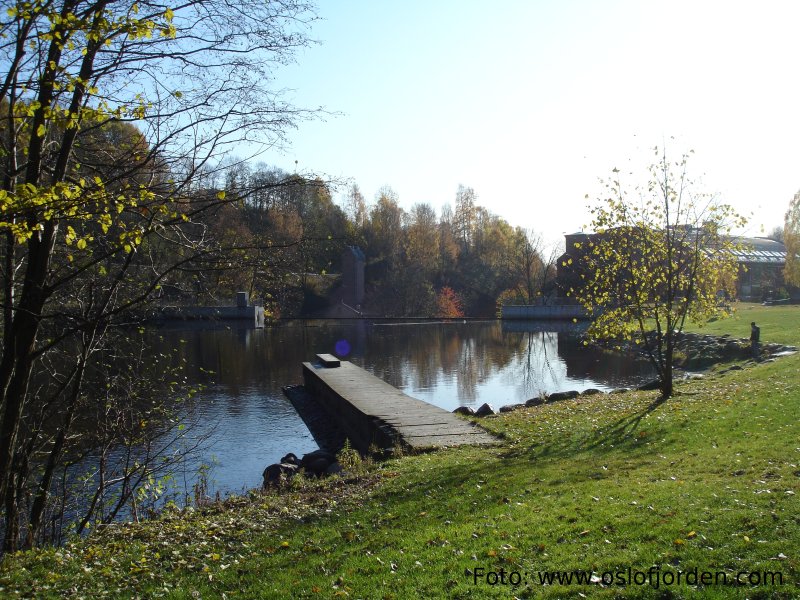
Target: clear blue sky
<point>531,102</point>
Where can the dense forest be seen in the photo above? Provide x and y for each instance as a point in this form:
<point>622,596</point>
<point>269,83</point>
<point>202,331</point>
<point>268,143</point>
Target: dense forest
<point>287,236</point>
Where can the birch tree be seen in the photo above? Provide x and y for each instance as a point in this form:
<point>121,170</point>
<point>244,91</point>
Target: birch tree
<point>661,256</point>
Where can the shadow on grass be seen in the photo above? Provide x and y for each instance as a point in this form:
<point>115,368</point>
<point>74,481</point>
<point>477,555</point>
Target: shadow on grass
<point>623,433</point>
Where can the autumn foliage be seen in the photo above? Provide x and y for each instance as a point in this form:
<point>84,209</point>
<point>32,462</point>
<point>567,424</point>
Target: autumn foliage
<point>661,257</point>
<point>448,304</point>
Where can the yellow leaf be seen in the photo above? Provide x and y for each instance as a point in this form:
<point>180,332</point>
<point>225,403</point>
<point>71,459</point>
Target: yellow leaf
<point>41,130</point>
<point>81,244</point>
<point>221,195</point>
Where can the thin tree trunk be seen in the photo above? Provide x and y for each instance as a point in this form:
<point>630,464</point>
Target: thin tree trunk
<point>42,494</point>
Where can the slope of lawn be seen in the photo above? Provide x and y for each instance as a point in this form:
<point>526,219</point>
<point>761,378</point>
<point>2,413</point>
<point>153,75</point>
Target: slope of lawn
<point>779,324</point>
<point>707,481</point>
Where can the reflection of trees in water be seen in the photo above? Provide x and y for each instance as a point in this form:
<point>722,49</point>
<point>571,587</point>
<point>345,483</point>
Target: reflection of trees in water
<point>421,356</point>
<point>539,355</point>
<point>586,362</point>
<point>468,371</point>
<point>237,361</point>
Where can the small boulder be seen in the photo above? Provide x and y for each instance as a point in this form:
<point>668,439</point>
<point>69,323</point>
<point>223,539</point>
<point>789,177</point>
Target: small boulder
<point>511,407</point>
<point>563,396</point>
<point>484,410</point>
<point>619,391</point>
<point>290,459</point>
<point>317,466</point>
<point>317,462</point>
<point>535,402</point>
<point>591,392</point>
<point>274,474</point>
<point>464,410</point>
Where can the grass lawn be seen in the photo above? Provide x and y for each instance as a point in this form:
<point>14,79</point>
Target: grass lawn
<point>612,486</point>
<point>779,324</point>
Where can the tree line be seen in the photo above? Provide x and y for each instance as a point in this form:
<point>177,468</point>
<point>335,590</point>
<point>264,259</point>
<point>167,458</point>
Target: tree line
<point>463,260</point>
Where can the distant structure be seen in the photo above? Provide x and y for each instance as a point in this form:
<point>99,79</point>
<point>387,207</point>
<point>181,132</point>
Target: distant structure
<point>761,265</point>
<point>761,262</point>
<point>346,299</point>
<point>353,262</point>
<point>242,312</point>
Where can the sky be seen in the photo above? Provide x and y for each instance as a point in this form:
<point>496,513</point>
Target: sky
<point>531,102</point>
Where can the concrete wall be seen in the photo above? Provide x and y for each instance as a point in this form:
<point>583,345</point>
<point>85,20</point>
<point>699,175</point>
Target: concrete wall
<point>252,314</point>
<point>362,430</point>
<point>522,311</point>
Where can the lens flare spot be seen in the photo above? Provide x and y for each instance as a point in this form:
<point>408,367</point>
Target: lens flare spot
<point>342,348</point>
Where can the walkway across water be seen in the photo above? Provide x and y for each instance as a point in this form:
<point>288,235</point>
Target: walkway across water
<point>373,412</point>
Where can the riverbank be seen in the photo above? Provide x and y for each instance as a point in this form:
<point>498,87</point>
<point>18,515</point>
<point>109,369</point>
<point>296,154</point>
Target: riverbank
<point>609,486</point>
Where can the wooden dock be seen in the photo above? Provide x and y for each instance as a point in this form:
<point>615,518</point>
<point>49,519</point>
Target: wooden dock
<point>373,412</point>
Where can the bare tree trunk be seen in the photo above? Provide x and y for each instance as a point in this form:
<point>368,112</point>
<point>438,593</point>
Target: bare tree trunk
<point>43,492</point>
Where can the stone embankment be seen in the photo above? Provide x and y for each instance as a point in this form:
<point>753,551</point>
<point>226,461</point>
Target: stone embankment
<point>693,352</point>
<point>697,351</point>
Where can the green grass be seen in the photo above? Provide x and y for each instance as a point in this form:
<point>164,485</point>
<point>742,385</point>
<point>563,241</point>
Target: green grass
<point>778,324</point>
<point>708,480</point>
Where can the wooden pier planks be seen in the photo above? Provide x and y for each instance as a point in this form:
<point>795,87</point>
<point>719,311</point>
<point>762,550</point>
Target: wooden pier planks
<point>375,412</point>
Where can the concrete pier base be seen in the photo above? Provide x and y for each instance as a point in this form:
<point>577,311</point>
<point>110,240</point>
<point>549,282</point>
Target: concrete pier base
<point>372,412</point>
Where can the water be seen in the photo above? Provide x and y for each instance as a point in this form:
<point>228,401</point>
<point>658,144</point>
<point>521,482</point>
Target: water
<point>250,424</point>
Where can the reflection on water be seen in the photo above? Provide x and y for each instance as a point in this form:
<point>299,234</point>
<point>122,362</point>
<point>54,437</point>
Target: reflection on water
<point>252,424</point>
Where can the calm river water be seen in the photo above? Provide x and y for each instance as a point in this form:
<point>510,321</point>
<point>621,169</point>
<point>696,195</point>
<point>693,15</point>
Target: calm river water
<point>250,424</point>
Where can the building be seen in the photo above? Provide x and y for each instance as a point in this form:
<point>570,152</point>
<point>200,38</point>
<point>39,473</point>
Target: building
<point>761,264</point>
